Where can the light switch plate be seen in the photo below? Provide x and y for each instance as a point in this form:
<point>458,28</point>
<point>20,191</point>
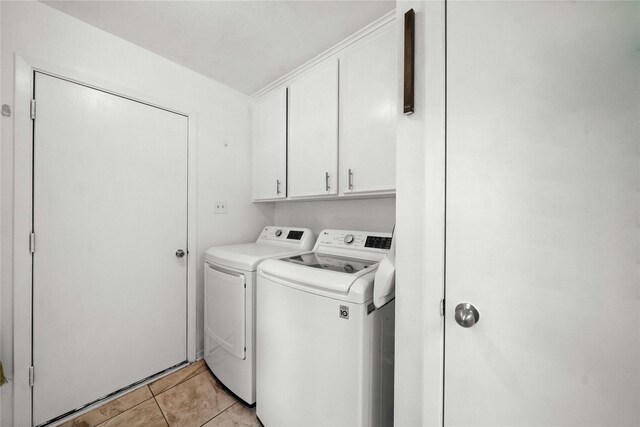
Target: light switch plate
<point>221,207</point>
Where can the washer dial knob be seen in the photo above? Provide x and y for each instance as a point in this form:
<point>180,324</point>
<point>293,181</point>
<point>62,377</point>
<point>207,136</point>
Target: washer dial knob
<point>349,238</point>
<point>278,233</point>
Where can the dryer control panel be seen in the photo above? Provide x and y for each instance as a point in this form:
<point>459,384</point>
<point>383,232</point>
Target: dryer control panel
<point>292,236</point>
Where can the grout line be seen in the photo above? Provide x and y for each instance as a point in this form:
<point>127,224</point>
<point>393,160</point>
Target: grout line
<point>117,415</point>
<point>221,412</point>
<point>173,373</point>
<point>154,397</point>
<point>136,389</point>
<point>190,378</point>
<point>160,408</point>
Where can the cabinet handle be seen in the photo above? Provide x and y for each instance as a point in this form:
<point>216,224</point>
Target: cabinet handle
<point>350,179</point>
<point>277,186</point>
<point>326,180</point>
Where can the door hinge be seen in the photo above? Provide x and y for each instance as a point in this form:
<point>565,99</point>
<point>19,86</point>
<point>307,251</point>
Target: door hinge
<point>442,307</point>
<point>32,242</point>
<point>33,109</point>
<point>30,376</point>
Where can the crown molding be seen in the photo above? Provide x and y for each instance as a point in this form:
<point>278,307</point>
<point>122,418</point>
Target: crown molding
<point>380,22</point>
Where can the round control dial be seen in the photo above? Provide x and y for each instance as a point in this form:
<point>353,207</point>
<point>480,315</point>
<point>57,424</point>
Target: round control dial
<point>349,238</point>
<point>278,233</point>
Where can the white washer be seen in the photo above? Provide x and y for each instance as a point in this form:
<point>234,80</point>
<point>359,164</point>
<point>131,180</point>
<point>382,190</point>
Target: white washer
<point>229,308</point>
<point>324,352</point>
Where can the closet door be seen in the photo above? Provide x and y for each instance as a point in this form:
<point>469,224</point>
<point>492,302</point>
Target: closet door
<point>110,214</point>
<point>542,214</point>
<point>313,132</point>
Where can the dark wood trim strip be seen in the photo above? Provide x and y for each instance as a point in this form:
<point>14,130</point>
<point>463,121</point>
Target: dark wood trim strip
<point>409,61</point>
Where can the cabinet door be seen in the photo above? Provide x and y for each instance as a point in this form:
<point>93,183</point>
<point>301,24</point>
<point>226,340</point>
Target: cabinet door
<point>368,94</point>
<point>313,132</point>
<point>270,145</point>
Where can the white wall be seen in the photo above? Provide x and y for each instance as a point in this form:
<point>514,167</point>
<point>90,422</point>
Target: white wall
<point>364,214</point>
<point>34,30</point>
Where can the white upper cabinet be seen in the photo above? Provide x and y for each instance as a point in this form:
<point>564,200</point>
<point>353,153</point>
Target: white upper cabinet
<point>270,145</point>
<point>333,134</point>
<point>313,132</point>
<point>368,114</point>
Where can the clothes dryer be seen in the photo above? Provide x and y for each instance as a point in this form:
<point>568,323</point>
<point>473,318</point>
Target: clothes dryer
<point>229,309</point>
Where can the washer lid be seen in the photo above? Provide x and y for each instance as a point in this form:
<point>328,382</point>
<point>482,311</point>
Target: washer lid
<point>318,276</point>
<point>246,256</point>
<point>330,262</point>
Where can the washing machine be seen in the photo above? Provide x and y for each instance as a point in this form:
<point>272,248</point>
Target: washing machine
<point>324,350</point>
<point>229,306</point>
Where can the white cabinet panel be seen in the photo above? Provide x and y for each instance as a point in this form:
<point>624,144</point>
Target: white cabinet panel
<point>368,95</point>
<point>313,132</point>
<point>270,145</point>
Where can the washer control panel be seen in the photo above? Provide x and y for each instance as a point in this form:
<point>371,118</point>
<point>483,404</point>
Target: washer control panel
<point>378,242</point>
<point>357,240</point>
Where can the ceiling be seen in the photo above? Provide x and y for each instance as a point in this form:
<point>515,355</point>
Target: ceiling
<point>242,44</point>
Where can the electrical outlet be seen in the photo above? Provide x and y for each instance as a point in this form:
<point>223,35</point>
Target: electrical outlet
<point>221,207</point>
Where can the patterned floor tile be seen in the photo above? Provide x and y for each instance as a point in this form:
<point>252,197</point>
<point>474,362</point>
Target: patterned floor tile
<point>146,414</point>
<point>195,401</point>
<point>177,377</point>
<point>110,409</point>
<point>239,415</point>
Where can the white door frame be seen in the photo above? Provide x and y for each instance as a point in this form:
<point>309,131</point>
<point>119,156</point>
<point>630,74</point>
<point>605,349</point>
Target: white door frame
<point>420,222</point>
<point>22,210</point>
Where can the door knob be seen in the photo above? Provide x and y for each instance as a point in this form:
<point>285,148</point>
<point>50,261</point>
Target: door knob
<point>466,315</point>
<point>180,253</point>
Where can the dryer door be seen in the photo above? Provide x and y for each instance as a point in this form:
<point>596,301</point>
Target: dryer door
<point>225,308</point>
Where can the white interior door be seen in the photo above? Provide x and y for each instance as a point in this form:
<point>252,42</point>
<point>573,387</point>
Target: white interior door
<point>542,213</point>
<point>110,211</point>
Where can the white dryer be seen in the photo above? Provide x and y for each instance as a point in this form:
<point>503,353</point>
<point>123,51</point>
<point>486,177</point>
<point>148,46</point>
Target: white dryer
<point>324,351</point>
<point>229,307</point>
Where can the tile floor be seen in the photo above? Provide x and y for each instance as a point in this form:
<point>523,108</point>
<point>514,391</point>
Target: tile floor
<point>190,397</point>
